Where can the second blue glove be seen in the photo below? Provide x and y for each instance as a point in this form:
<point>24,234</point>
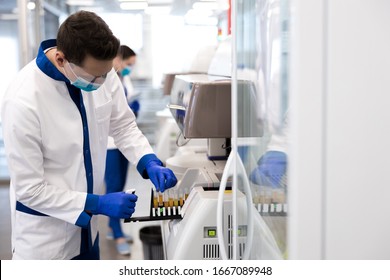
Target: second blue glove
<point>270,169</point>
<point>118,205</point>
<point>161,177</point>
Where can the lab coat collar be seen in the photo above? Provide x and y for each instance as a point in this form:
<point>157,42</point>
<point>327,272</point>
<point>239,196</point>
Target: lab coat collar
<point>45,64</point>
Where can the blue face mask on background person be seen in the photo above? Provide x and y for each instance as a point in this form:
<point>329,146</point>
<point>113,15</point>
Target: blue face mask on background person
<point>82,79</point>
<point>126,71</point>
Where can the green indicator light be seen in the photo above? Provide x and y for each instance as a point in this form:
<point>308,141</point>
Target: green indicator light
<point>211,233</point>
<point>239,232</point>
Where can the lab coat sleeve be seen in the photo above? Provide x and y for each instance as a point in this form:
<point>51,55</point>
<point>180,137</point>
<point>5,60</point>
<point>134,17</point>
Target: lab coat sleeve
<point>123,127</point>
<point>24,150</point>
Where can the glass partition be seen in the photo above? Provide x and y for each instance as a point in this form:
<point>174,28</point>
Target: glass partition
<point>260,145</point>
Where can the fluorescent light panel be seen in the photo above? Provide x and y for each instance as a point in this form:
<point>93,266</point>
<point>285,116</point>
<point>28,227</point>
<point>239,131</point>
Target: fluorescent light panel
<point>133,5</point>
<point>131,1</point>
<point>80,2</point>
<point>158,10</point>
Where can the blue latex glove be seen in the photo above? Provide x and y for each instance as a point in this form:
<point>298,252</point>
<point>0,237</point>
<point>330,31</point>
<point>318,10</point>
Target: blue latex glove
<point>118,205</point>
<point>270,169</point>
<point>161,177</point>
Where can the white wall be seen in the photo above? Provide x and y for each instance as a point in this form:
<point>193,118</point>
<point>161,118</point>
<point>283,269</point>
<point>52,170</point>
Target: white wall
<point>10,58</point>
<point>358,130</point>
<point>305,162</point>
<point>163,43</point>
<point>175,44</point>
<point>339,72</point>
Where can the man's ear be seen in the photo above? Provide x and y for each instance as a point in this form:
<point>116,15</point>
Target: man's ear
<point>60,58</point>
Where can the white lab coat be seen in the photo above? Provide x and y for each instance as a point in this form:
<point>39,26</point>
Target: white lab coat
<point>43,137</point>
<point>126,82</point>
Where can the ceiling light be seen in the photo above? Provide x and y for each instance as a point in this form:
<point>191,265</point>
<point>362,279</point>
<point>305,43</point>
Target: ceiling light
<point>211,5</point>
<point>80,2</point>
<point>31,5</point>
<point>133,5</point>
<point>158,10</point>
<point>205,6</point>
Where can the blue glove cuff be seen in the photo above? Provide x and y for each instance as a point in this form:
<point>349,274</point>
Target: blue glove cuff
<point>91,203</point>
<point>144,163</point>
<point>83,220</point>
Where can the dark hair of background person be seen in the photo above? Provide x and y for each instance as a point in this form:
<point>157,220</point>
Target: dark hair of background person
<point>125,52</point>
<point>85,33</point>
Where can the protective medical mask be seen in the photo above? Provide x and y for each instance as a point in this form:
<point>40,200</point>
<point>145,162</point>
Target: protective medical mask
<point>81,79</point>
<point>126,71</point>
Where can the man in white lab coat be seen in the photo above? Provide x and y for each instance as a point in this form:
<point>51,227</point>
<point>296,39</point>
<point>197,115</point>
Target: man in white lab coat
<point>57,115</point>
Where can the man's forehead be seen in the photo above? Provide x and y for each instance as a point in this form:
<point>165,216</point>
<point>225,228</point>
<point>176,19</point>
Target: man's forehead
<point>95,66</point>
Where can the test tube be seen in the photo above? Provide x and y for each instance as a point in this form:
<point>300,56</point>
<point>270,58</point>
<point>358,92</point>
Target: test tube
<point>272,207</point>
<point>268,196</point>
<point>158,212</point>
<point>262,196</point>
<point>186,193</point>
<point>181,198</point>
<point>175,198</point>
<point>170,198</point>
<point>277,195</point>
<point>256,198</point>
<point>282,196</point>
<point>155,200</point>
<point>279,199</point>
<point>160,200</point>
<point>266,199</point>
<point>166,199</point>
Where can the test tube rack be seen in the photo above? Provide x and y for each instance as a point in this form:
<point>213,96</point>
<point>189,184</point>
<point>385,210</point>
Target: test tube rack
<point>271,209</point>
<point>168,209</point>
<point>270,202</point>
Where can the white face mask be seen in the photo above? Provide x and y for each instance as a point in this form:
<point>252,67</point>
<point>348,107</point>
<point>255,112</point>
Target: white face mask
<point>81,79</point>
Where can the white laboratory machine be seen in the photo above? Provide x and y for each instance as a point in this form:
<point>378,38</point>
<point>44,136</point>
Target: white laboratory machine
<point>169,139</point>
<point>201,106</point>
<point>196,235</point>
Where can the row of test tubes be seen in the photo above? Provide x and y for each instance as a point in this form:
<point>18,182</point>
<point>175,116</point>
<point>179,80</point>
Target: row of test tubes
<point>270,201</point>
<point>169,203</point>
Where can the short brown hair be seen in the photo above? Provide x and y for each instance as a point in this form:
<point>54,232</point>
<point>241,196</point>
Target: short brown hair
<point>125,52</point>
<point>85,33</point>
